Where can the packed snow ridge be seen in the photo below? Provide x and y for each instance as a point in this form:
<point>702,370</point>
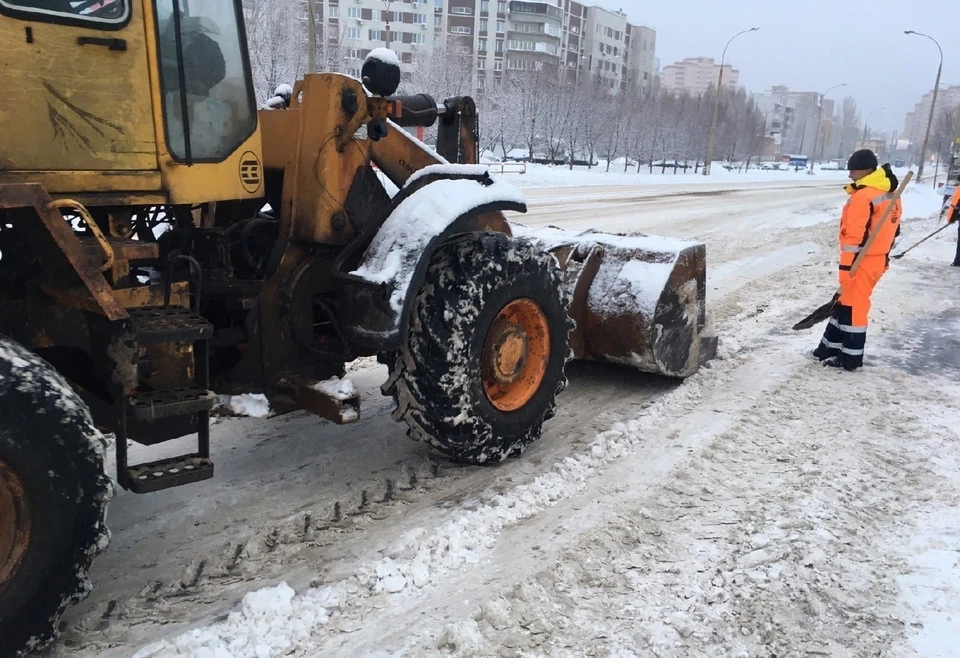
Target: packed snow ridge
<point>273,620</point>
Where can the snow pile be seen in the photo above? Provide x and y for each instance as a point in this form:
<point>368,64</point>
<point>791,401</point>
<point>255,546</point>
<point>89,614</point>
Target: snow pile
<point>338,389</point>
<point>254,405</point>
<point>384,55</point>
<point>396,249</point>
<point>270,622</point>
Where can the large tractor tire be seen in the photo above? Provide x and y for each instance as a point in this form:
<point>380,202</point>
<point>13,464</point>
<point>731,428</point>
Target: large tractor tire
<point>53,499</point>
<point>487,343</point>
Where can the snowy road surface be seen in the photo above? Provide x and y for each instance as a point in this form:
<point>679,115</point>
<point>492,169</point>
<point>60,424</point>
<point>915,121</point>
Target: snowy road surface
<point>763,507</point>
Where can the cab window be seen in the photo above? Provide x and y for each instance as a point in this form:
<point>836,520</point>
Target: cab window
<point>208,103</point>
<point>108,13</point>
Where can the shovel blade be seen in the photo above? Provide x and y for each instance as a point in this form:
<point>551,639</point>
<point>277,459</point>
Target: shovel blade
<point>817,316</point>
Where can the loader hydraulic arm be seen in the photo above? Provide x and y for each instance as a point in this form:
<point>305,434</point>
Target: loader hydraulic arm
<point>458,137</point>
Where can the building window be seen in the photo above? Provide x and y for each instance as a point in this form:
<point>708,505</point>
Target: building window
<point>484,25</point>
<point>482,45</point>
<point>499,46</point>
<point>466,11</point>
<point>437,20</point>
<point>499,27</point>
<point>353,12</point>
<point>334,11</point>
<point>353,32</point>
<point>498,65</point>
<point>438,4</point>
<point>481,63</point>
<point>484,6</point>
<point>461,29</point>
<point>501,7</point>
<point>419,19</point>
<point>417,38</point>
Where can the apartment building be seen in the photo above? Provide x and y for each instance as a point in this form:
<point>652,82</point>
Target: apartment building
<point>696,74</point>
<point>497,36</point>
<point>915,123</point>
<point>791,118</point>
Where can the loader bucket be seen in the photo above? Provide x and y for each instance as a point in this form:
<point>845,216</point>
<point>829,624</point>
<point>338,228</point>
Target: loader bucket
<point>637,300</point>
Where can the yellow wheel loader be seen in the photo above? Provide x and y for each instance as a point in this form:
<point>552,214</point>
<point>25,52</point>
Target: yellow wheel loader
<point>163,241</point>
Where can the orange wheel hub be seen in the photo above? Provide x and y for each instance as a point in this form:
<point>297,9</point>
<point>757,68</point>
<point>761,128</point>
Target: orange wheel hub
<point>516,351</point>
<point>14,523</point>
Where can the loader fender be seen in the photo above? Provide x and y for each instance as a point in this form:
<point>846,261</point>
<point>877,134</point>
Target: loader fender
<point>379,292</point>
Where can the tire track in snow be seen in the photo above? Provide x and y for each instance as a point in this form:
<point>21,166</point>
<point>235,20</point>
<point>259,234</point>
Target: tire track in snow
<point>215,577</point>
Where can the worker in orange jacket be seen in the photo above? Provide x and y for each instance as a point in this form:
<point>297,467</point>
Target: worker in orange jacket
<point>871,191</point>
<point>953,214</point>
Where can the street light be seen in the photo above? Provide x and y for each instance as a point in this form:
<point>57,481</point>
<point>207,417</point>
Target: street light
<point>936,88</point>
<point>716,102</point>
<point>867,121</point>
<point>819,117</point>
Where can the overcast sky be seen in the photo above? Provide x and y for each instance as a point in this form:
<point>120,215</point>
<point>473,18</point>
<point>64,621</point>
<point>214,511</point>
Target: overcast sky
<point>811,45</point>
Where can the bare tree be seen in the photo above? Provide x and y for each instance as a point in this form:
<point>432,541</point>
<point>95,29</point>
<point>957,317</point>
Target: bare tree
<point>276,41</point>
<point>849,125</point>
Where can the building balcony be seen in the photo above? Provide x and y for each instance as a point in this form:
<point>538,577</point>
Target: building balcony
<point>541,9</point>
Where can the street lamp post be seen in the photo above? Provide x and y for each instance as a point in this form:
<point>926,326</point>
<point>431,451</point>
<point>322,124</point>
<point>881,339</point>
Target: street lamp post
<point>867,121</point>
<point>716,102</point>
<point>933,104</point>
<point>819,117</point>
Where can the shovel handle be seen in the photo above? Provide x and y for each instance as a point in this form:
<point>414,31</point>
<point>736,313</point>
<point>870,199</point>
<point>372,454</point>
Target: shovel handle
<point>883,220</point>
<point>913,246</point>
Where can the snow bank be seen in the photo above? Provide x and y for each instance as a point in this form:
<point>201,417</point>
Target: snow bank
<point>538,175</point>
<point>395,251</point>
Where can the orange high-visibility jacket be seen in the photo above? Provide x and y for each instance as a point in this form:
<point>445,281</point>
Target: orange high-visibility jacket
<point>953,212</point>
<point>860,216</point>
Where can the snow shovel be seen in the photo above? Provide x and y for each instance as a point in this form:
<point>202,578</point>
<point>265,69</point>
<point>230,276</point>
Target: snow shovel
<point>826,310</point>
<point>908,249</point>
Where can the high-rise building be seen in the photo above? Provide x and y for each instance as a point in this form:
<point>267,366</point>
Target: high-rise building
<point>496,36</point>
<point>791,119</point>
<point>915,124</point>
<point>696,74</point>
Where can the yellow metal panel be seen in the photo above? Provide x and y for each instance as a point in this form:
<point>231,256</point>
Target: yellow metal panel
<point>323,174</point>
<point>71,106</point>
<point>66,182</point>
<point>222,181</point>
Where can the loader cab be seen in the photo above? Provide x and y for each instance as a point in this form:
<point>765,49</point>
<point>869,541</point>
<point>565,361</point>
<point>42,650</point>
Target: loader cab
<point>148,101</point>
<point>207,94</point>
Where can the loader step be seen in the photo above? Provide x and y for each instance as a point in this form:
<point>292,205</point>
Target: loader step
<point>172,402</point>
<point>168,324</point>
<point>123,248</point>
<point>168,473</point>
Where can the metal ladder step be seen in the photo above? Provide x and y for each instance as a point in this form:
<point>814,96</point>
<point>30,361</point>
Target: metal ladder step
<point>168,473</point>
<point>168,324</point>
<point>154,405</point>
